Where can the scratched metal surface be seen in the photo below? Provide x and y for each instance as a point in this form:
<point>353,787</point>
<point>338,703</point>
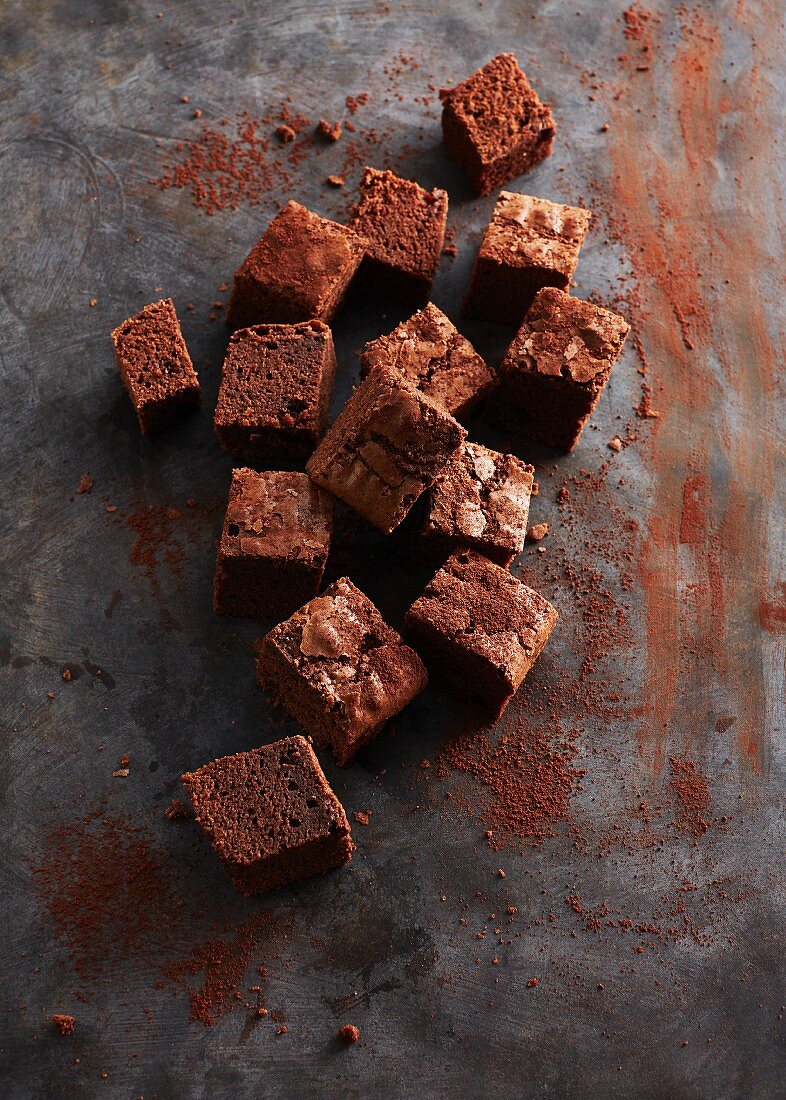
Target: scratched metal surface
<point>691,174</point>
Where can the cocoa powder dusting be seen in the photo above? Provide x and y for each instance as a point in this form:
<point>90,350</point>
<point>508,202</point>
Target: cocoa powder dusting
<point>692,796</point>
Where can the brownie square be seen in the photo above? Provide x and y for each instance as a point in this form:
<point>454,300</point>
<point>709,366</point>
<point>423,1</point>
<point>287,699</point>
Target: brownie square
<point>339,669</point>
<point>270,815</point>
<point>436,358</point>
<point>276,385</point>
<point>556,368</point>
<point>386,446</point>
<point>494,124</point>
<point>528,244</point>
<point>481,499</point>
<point>404,227</point>
<point>274,544</point>
<point>482,629</point>
<point>299,270</point>
<point>155,366</point>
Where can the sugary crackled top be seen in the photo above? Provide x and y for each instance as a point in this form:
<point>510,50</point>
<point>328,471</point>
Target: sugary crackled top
<point>276,515</point>
<point>482,496</point>
<point>567,336</point>
<point>301,251</point>
<point>482,607</point>
<point>528,232</point>
<point>358,664</point>
<point>497,105</point>
<point>429,350</point>
<point>258,803</point>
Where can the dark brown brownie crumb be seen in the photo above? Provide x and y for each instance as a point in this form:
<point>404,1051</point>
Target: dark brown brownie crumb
<point>85,484</point>
<point>329,130</point>
<point>66,1025</point>
<point>285,134</point>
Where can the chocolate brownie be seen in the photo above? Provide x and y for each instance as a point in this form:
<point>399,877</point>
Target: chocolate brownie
<point>404,227</point>
<point>482,629</point>
<point>299,270</point>
<point>481,500</point>
<point>436,358</point>
<point>528,244</point>
<point>276,385</point>
<point>274,544</point>
<point>386,446</point>
<point>339,669</point>
<point>155,366</point>
<point>494,124</point>
<point>270,815</point>
<point>556,368</point>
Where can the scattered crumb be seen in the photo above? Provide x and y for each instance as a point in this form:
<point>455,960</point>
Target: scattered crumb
<point>176,810</point>
<point>282,1030</point>
<point>537,532</point>
<point>615,444</point>
<point>85,484</point>
<point>336,181</point>
<point>349,1034</point>
<point>533,982</point>
<point>67,674</point>
<point>197,113</point>
<point>362,816</point>
<point>501,873</point>
<point>285,133</point>
<point>66,1025</point>
<point>121,773</point>
<point>93,302</point>
<point>329,130</point>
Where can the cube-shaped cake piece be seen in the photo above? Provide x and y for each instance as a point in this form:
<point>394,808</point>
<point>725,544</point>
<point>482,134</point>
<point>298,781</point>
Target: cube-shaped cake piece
<point>276,385</point>
<point>299,270</point>
<point>528,244</point>
<point>270,815</point>
<point>480,628</point>
<point>556,368</point>
<point>404,228</point>
<point>387,445</point>
<point>274,544</point>
<point>494,124</point>
<point>339,669</point>
<point>155,366</point>
<point>436,358</point>
<point>481,500</point>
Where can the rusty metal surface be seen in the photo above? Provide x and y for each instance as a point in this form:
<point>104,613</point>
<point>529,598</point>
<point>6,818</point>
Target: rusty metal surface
<point>688,184</point>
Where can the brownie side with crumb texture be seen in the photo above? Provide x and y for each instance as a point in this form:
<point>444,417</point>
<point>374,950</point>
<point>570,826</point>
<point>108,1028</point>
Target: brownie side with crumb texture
<point>494,124</point>
<point>276,385</point>
<point>270,815</point>
<point>404,228</point>
<point>155,366</point>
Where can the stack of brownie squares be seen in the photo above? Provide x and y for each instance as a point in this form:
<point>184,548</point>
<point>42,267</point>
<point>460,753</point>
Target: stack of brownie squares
<point>398,449</point>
